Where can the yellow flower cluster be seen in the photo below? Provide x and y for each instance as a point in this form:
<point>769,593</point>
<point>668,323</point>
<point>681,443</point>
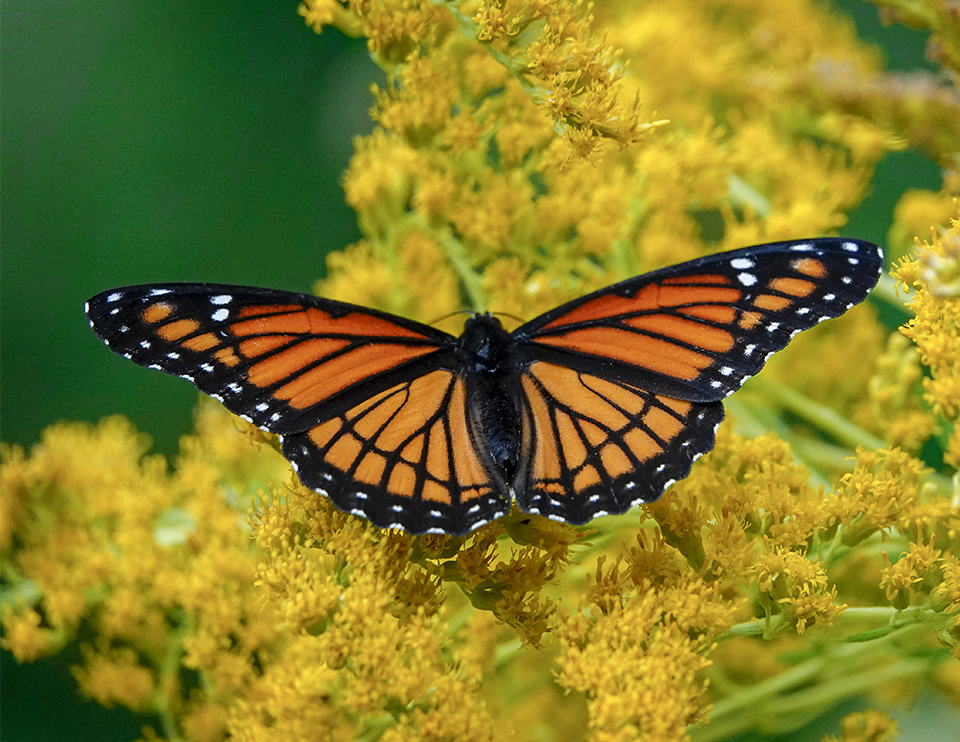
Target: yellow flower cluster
<point>157,566</point>
<point>933,276</point>
<point>865,727</point>
<point>502,147</point>
<point>511,169</point>
<point>635,644</point>
<point>325,622</point>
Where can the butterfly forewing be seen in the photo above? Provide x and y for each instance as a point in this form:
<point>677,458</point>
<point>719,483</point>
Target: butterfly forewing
<point>281,360</point>
<point>594,446</point>
<point>697,330</point>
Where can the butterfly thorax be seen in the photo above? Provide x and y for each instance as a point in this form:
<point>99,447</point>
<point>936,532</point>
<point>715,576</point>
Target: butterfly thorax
<point>487,354</point>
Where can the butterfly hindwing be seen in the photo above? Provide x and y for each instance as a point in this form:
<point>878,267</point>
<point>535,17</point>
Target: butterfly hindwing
<point>280,360</point>
<point>404,458</point>
<point>697,330</point>
<point>594,446</point>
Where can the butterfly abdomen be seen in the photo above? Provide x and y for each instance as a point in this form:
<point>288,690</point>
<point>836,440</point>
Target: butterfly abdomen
<point>489,360</point>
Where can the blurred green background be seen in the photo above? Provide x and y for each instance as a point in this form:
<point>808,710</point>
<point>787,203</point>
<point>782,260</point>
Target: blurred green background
<point>158,141</point>
<point>177,140</point>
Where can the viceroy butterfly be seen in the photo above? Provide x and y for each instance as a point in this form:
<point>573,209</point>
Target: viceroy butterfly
<point>596,405</point>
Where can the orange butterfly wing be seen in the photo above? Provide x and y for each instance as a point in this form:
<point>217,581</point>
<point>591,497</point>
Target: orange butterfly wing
<point>595,446</point>
<point>699,329</point>
<point>371,407</point>
<point>404,458</point>
<point>622,387</point>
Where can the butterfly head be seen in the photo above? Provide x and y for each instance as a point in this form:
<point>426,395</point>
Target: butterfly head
<point>485,343</point>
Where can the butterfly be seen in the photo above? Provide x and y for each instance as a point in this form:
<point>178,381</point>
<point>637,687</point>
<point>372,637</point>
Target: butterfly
<point>596,405</point>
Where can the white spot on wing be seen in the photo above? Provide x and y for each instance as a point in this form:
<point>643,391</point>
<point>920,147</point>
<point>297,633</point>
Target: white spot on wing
<point>115,296</point>
<point>220,315</point>
<point>221,299</point>
<point>747,279</point>
<point>742,264</point>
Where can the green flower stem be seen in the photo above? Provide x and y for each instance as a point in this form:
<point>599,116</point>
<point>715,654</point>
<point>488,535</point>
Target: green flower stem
<point>885,615</point>
<point>778,715</point>
<point>469,29</point>
<point>886,291</point>
<point>469,278</point>
<point>19,592</point>
<point>827,420</point>
<point>848,670</point>
<point>168,674</point>
<point>757,627</point>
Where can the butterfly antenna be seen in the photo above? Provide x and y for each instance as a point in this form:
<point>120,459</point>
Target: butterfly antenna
<point>438,320</point>
<point>515,318</point>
